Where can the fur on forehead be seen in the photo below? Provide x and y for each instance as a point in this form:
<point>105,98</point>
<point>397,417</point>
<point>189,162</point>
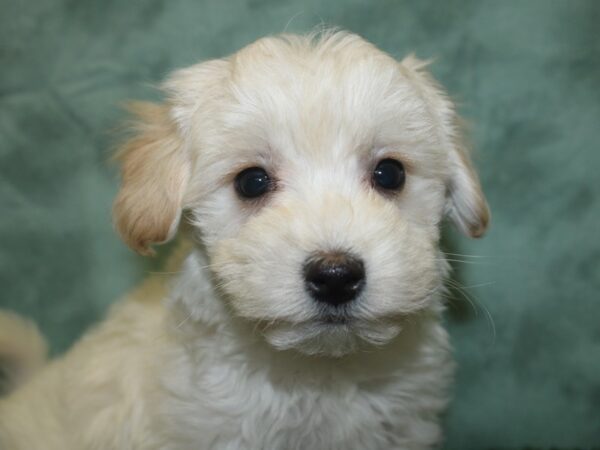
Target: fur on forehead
<point>332,94</point>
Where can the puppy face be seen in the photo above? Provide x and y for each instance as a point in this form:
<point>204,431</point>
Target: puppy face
<point>316,172</point>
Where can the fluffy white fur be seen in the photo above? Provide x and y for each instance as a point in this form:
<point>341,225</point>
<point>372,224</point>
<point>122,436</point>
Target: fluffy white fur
<point>231,352</point>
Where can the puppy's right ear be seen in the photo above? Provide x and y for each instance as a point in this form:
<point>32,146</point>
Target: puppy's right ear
<point>155,162</point>
<point>155,170</point>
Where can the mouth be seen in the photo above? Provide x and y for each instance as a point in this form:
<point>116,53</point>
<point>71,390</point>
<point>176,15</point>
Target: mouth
<point>334,319</point>
<point>334,332</point>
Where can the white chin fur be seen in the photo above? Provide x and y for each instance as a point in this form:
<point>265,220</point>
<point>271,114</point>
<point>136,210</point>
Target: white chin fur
<point>334,340</point>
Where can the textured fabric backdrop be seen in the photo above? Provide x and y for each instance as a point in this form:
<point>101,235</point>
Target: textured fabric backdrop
<point>525,73</point>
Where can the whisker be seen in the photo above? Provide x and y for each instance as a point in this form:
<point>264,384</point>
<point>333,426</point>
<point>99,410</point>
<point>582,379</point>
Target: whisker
<point>494,257</point>
<point>466,256</point>
<point>462,289</point>
<point>462,261</point>
<point>478,285</point>
<point>465,296</point>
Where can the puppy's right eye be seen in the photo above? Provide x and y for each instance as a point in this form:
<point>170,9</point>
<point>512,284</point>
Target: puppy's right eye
<point>252,182</point>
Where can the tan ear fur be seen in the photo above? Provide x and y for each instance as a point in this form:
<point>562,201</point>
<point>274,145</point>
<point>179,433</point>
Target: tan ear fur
<point>466,206</point>
<point>155,170</point>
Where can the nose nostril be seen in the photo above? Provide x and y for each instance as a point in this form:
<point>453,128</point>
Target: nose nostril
<point>334,278</point>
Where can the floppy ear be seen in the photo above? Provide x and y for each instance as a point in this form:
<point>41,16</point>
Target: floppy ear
<point>155,171</point>
<point>155,162</point>
<point>466,205</point>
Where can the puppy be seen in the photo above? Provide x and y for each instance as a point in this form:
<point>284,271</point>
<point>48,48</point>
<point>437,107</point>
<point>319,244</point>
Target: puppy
<point>314,173</point>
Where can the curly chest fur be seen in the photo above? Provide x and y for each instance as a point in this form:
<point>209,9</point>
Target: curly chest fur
<point>256,400</point>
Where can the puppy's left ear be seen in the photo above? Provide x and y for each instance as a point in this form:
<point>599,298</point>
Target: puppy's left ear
<point>154,172</point>
<point>466,205</point>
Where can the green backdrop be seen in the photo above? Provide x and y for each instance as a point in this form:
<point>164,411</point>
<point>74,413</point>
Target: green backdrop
<point>525,73</point>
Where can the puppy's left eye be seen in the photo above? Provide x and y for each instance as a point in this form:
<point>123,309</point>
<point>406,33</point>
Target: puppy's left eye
<point>252,182</point>
<point>389,174</point>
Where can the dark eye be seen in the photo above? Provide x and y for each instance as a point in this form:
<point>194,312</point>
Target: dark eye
<point>389,174</point>
<point>252,182</point>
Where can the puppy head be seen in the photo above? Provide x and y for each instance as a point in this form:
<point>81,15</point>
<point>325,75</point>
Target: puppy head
<point>316,172</point>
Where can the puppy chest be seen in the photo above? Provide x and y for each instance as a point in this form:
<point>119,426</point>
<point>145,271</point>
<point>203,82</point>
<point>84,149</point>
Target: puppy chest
<point>253,413</point>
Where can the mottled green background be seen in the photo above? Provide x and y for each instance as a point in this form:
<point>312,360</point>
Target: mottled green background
<point>526,74</point>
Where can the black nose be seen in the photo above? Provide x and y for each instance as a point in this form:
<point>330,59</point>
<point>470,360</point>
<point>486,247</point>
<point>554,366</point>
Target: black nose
<point>334,278</point>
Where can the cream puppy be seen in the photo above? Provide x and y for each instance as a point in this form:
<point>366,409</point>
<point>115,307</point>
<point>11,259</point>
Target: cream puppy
<point>314,173</point>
